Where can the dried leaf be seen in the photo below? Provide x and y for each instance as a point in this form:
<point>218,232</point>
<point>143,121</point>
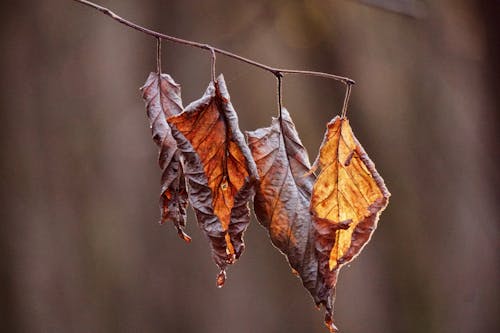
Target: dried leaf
<point>282,202</point>
<point>163,99</point>
<point>282,198</point>
<point>347,199</point>
<point>220,171</point>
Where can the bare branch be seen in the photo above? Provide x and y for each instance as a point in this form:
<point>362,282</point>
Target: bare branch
<point>275,71</point>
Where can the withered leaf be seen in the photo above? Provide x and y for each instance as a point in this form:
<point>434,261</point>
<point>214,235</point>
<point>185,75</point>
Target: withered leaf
<point>220,171</point>
<point>347,199</point>
<point>282,202</point>
<point>283,196</point>
<point>163,99</point>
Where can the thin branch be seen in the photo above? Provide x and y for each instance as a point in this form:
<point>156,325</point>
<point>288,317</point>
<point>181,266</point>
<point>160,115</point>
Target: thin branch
<point>276,71</point>
<point>410,8</point>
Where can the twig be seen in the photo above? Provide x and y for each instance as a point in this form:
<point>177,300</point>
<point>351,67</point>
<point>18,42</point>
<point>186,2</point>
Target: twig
<point>276,71</point>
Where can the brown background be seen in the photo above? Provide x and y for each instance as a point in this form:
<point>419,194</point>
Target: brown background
<point>80,249</point>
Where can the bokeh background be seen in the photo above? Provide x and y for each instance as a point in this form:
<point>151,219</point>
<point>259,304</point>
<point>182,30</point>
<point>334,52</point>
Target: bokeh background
<point>80,247</point>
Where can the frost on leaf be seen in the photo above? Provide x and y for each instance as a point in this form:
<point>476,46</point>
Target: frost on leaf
<point>163,99</point>
<point>347,199</point>
<point>220,171</point>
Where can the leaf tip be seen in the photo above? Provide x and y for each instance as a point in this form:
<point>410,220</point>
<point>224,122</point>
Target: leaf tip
<point>329,323</point>
<point>221,279</point>
<point>185,237</point>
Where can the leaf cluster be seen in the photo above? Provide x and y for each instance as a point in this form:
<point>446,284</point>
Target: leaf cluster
<point>320,217</point>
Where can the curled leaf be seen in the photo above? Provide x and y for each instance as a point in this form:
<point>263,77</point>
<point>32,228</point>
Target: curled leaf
<point>163,99</point>
<point>220,171</point>
<point>347,200</point>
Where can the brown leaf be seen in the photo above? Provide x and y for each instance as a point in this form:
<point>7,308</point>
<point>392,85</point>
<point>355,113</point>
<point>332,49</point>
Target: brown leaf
<point>282,202</point>
<point>347,199</point>
<point>220,171</point>
<point>163,99</point>
<point>283,196</point>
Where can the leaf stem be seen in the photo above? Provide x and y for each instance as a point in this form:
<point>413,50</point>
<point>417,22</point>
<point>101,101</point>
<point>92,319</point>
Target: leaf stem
<point>279,78</point>
<point>346,100</point>
<point>158,55</point>
<point>276,71</point>
<point>213,59</point>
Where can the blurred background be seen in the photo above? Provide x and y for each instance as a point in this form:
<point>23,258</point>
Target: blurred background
<point>80,246</point>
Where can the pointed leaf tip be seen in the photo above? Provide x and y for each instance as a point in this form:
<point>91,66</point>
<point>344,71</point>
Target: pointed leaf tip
<point>221,279</point>
<point>329,324</point>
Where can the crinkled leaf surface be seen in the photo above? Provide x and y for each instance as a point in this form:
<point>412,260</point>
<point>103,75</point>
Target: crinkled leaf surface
<point>282,203</point>
<point>282,198</point>
<point>220,171</point>
<point>163,99</point>
<point>347,198</point>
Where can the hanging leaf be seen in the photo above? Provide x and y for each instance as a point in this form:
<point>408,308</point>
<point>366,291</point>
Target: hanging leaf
<point>347,199</point>
<point>282,202</point>
<point>220,171</point>
<point>163,99</point>
<point>282,198</point>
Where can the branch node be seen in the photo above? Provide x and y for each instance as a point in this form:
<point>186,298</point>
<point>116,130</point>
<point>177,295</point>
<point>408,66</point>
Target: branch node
<point>350,81</point>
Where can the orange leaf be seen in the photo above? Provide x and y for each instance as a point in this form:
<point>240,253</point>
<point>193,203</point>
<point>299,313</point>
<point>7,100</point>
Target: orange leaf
<point>163,99</point>
<point>347,199</point>
<point>220,171</point>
